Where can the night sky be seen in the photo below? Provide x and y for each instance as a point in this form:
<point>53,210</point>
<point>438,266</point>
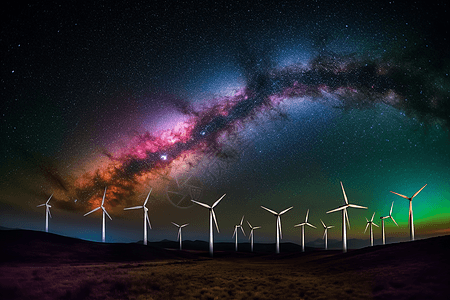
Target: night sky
<point>273,104</point>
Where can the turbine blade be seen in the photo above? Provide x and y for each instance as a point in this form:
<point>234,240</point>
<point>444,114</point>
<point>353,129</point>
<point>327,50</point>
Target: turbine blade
<point>202,204</point>
<point>366,227</point>
<point>256,227</point>
<point>148,221</point>
<point>249,224</point>
<point>300,224</point>
<point>134,207</point>
<point>106,213</point>
<point>418,191</point>
<point>343,191</point>
<point>242,230</point>
<point>217,202</point>
<point>148,196</point>
<point>330,227</point>
<point>279,222</point>
<point>175,224</point>
<point>375,225</point>
<point>52,196</point>
<point>286,210</point>
<point>392,206</point>
<point>337,209</point>
<point>184,225</point>
<point>40,205</point>
<point>324,226</point>
<point>91,211</point>
<point>178,235</point>
<point>367,220</point>
<point>346,217</point>
<point>324,232</point>
<point>242,220</point>
<point>311,225</point>
<point>307,213</point>
<point>234,232</point>
<point>215,220</point>
<point>357,206</point>
<point>400,195</point>
<point>104,194</point>
<point>49,212</point>
<point>251,234</point>
<point>269,210</point>
<point>393,220</point>
<point>371,220</point>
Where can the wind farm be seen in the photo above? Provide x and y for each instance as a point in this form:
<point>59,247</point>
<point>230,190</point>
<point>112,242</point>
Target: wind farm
<point>189,259</point>
<point>249,150</point>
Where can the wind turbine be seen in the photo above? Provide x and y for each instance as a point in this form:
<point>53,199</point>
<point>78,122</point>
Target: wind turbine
<point>179,231</point>
<point>345,217</point>
<point>212,216</point>
<point>382,223</point>
<point>325,234</point>
<point>235,233</point>
<point>278,215</point>
<point>370,223</point>
<point>146,219</point>
<point>104,212</point>
<point>47,212</point>
<point>411,221</point>
<point>303,229</point>
<point>251,234</point>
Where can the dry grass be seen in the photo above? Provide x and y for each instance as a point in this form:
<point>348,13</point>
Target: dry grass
<point>195,279</point>
<point>418,270</point>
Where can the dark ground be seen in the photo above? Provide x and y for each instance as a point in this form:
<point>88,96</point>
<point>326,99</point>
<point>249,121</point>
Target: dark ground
<point>38,265</point>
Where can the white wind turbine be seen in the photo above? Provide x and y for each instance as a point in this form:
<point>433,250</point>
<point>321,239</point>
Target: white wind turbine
<point>325,234</point>
<point>47,212</point>
<point>345,217</point>
<point>303,229</point>
<point>251,234</point>
<point>146,219</point>
<point>370,223</point>
<point>235,233</point>
<point>104,212</point>
<point>411,221</point>
<point>278,215</point>
<point>179,232</point>
<point>382,223</point>
<point>212,216</point>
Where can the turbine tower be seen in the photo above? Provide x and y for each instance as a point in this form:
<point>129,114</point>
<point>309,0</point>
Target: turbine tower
<point>47,212</point>
<point>104,212</point>
<point>212,216</point>
<point>370,223</point>
<point>146,219</point>
<point>411,221</point>
<point>179,232</point>
<point>251,234</point>
<point>382,223</point>
<point>345,217</point>
<point>279,234</point>
<point>303,229</point>
<point>325,234</point>
<point>235,233</point>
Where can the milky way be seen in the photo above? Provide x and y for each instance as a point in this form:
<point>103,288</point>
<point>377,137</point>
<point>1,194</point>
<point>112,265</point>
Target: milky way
<point>354,83</point>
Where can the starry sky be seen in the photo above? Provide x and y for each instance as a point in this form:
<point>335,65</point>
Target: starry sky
<point>272,103</point>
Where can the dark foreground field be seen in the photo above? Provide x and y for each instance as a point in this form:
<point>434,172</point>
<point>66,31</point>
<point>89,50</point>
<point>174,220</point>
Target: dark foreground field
<point>36,265</point>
